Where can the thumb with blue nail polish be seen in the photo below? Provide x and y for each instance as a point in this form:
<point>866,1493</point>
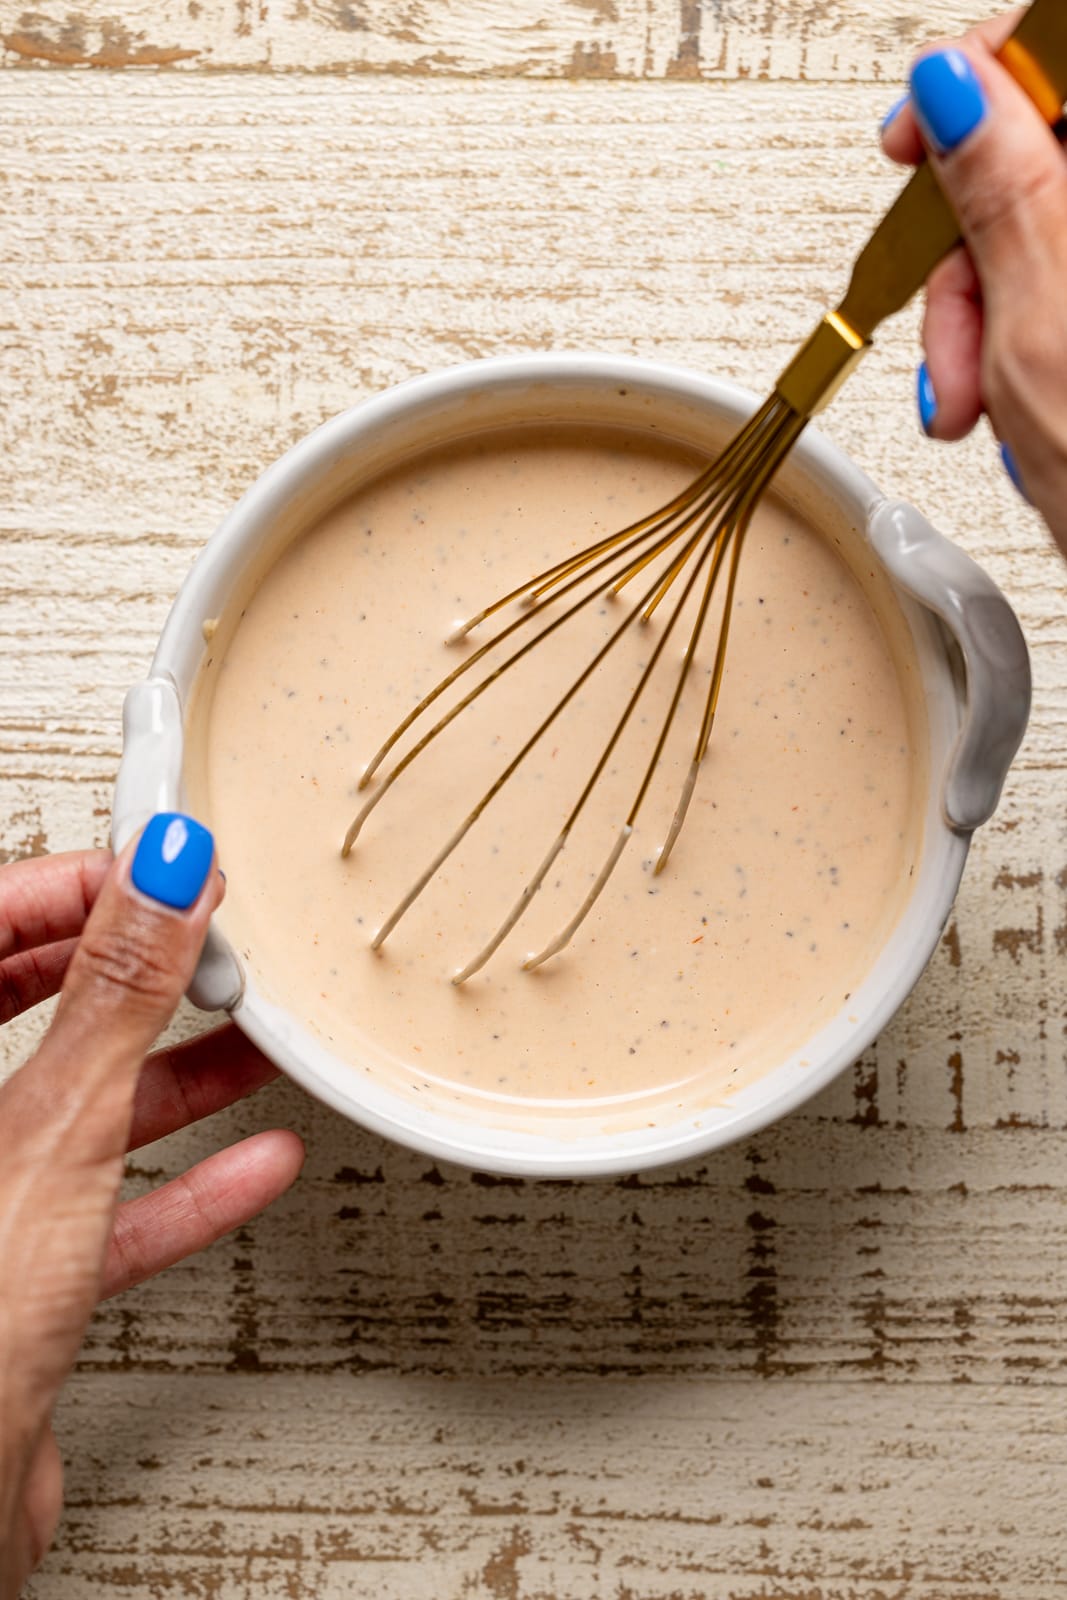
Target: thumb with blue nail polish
<point>129,934</point>
<point>143,937</point>
<point>172,860</point>
<point>949,100</point>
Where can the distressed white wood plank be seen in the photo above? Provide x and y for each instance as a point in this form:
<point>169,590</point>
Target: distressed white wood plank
<point>672,39</point>
<point>416,1491</point>
<point>828,1248</point>
<point>183,307</point>
<point>866,1301</point>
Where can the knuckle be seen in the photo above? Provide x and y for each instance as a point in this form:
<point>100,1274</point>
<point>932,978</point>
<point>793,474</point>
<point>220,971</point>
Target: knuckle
<point>130,962</point>
<point>125,1253</point>
<point>1002,201</point>
<point>10,997</point>
<point>999,389</point>
<point>1023,365</point>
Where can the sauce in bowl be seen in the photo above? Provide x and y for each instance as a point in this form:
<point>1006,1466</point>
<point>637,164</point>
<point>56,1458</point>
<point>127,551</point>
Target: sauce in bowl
<point>791,871</point>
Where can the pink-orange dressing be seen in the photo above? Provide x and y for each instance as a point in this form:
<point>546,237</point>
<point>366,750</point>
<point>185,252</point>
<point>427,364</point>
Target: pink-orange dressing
<point>790,872</point>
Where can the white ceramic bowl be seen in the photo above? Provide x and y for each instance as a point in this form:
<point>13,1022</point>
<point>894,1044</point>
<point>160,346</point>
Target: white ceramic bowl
<point>976,718</point>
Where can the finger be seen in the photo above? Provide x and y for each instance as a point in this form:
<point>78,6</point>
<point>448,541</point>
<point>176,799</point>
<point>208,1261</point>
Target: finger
<point>191,1212</point>
<point>901,139</point>
<point>66,1115</point>
<point>35,1500</point>
<point>903,143</point>
<point>1001,167</point>
<point>48,898</point>
<point>42,1496</point>
<point>195,1079</point>
<point>952,336</point>
<point>32,976</point>
<point>135,957</point>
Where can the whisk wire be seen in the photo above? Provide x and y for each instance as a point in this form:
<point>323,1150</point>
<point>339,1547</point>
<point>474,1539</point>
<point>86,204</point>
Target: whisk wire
<point>539,586</point>
<point>716,546</point>
<point>728,534</point>
<point>478,961</point>
<point>498,783</point>
<point>916,232</point>
<point>686,499</point>
<point>710,516</point>
<point>740,451</point>
<point>474,694</point>
<point>578,566</point>
<point>773,439</point>
<point>784,439</point>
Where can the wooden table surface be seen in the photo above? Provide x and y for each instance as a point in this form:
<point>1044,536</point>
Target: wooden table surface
<point>829,1362</point>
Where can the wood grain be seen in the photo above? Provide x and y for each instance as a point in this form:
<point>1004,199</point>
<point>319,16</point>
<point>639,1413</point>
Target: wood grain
<point>492,1491</point>
<point>857,40</point>
<point>826,1363</point>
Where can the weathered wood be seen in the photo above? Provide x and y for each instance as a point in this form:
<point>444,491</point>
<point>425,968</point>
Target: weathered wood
<point>417,1491</point>
<point>674,39</point>
<point>832,1247</point>
<point>865,1305</point>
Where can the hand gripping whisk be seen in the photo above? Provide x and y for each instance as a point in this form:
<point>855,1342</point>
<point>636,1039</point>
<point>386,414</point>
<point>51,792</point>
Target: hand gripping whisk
<point>702,530</point>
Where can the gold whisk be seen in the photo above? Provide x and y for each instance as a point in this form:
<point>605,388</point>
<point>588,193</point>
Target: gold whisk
<point>705,525</point>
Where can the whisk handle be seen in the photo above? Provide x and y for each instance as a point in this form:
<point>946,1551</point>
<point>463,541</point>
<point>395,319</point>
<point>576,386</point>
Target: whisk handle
<point>920,228</point>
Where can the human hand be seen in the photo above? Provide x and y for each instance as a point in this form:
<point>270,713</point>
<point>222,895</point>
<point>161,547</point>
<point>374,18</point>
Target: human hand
<point>995,330</point>
<point>87,1096</point>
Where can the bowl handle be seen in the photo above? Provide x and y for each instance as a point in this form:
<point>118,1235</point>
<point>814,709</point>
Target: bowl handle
<point>150,780</point>
<point>978,617</point>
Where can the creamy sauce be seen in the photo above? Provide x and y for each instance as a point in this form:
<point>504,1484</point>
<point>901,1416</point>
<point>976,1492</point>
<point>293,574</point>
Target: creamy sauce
<point>790,872</point>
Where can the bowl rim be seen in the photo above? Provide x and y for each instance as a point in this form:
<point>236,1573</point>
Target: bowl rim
<point>465,1140</point>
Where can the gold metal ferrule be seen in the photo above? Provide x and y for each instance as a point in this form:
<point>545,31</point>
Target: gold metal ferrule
<point>821,366</point>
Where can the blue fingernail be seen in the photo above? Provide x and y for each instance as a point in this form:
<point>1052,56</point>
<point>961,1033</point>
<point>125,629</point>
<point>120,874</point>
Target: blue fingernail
<point>949,100</point>
<point>173,860</point>
<point>926,399</point>
<point>1011,467</point>
<point>894,111</point>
